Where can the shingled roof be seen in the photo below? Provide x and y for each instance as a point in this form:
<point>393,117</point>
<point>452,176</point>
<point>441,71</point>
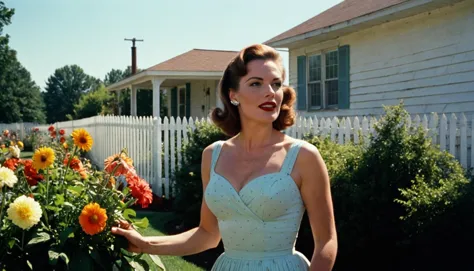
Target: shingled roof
<point>197,60</point>
<point>342,12</point>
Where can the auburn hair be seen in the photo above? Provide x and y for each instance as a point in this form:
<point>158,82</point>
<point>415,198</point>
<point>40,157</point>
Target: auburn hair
<point>228,118</point>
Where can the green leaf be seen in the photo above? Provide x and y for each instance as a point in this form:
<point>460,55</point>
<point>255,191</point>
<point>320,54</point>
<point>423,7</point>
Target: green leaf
<point>139,264</point>
<point>11,243</point>
<point>156,260</point>
<point>66,234</point>
<point>39,237</point>
<point>75,189</point>
<point>29,264</point>
<point>129,212</point>
<point>59,200</point>
<point>68,204</point>
<point>53,208</point>
<point>142,223</point>
<point>64,257</point>
<point>53,257</point>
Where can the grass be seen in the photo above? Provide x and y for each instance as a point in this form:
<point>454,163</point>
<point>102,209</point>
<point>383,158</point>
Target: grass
<point>156,227</point>
<point>26,154</point>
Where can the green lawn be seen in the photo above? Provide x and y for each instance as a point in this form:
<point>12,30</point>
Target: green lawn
<point>156,227</point>
<point>26,155</point>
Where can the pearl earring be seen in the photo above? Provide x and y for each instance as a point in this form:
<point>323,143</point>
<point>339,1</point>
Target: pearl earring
<point>234,102</point>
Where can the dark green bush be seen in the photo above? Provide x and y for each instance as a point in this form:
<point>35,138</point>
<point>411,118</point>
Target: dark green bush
<point>397,189</point>
<point>188,178</point>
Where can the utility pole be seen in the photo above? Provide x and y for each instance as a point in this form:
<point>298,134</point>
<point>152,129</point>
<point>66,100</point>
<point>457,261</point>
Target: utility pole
<point>134,55</point>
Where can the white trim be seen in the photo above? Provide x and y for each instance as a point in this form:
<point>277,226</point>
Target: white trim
<point>322,81</point>
<point>156,96</point>
<point>148,76</point>
<point>178,100</point>
<point>394,12</point>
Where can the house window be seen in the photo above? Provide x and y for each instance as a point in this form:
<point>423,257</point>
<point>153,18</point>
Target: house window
<point>323,80</point>
<point>182,102</point>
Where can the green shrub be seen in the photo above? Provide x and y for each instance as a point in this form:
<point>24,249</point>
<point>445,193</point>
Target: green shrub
<point>188,178</point>
<point>338,158</point>
<point>398,187</point>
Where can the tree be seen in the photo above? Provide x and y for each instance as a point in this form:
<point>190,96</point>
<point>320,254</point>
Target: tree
<point>64,89</point>
<point>113,76</point>
<point>20,98</point>
<point>93,103</point>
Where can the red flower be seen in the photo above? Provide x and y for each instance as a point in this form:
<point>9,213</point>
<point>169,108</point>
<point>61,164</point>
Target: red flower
<point>62,132</point>
<point>31,174</point>
<point>122,165</point>
<point>140,190</point>
<point>76,165</point>
<point>62,139</point>
<point>51,128</point>
<point>11,163</point>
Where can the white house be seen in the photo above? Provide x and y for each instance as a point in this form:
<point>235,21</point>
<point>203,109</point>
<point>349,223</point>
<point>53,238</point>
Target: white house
<point>360,55</point>
<point>189,79</point>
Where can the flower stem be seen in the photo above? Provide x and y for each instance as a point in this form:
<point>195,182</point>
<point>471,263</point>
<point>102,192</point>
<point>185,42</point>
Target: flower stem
<point>3,206</point>
<point>47,199</point>
<point>22,239</point>
<point>67,167</point>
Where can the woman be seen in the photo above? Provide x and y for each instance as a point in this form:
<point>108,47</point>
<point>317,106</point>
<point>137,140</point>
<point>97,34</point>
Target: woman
<point>258,183</point>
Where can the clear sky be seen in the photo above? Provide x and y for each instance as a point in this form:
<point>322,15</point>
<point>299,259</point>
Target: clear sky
<point>50,34</point>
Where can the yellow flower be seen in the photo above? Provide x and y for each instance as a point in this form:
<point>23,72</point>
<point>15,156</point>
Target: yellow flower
<point>24,212</point>
<point>7,177</point>
<point>20,144</point>
<point>93,219</point>
<point>65,145</point>
<point>82,139</point>
<point>43,158</point>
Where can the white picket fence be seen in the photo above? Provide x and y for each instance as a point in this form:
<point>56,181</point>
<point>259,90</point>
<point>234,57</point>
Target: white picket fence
<point>155,144</point>
<point>21,129</point>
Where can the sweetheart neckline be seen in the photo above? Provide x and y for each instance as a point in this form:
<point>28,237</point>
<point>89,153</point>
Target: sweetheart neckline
<point>256,178</point>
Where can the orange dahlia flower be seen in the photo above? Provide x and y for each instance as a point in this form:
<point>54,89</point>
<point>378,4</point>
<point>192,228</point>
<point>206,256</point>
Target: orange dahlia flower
<point>93,219</point>
<point>140,190</point>
<point>32,176</point>
<point>11,163</point>
<point>123,163</point>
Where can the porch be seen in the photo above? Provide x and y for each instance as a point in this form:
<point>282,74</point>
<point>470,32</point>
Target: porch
<point>188,81</point>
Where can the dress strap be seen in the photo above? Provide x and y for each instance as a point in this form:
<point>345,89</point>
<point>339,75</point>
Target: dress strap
<point>215,154</point>
<point>291,156</point>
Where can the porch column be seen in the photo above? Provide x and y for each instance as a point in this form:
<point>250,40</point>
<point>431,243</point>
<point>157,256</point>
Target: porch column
<point>156,95</point>
<point>118,102</point>
<point>218,99</point>
<point>133,100</point>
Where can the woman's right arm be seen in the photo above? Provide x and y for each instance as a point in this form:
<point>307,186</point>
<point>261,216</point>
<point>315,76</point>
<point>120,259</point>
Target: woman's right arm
<point>201,238</point>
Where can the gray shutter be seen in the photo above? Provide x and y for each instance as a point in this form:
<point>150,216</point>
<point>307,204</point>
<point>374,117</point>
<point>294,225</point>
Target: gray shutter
<point>344,77</point>
<point>174,102</point>
<point>301,83</point>
<point>188,100</point>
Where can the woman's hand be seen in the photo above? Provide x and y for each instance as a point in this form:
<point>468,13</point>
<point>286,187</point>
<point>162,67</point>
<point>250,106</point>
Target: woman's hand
<point>136,242</point>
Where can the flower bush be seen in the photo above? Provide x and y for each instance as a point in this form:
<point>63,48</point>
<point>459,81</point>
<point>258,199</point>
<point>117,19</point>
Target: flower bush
<point>56,212</point>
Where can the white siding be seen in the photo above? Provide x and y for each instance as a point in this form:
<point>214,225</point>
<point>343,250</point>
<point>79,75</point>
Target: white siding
<point>427,60</point>
<point>198,99</point>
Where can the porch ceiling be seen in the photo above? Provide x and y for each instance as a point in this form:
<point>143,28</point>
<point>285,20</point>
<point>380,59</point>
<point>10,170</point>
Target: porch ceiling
<point>171,78</point>
<point>169,83</point>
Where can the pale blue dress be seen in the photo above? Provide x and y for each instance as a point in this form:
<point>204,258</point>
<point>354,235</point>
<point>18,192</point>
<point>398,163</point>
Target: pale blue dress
<point>259,225</point>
